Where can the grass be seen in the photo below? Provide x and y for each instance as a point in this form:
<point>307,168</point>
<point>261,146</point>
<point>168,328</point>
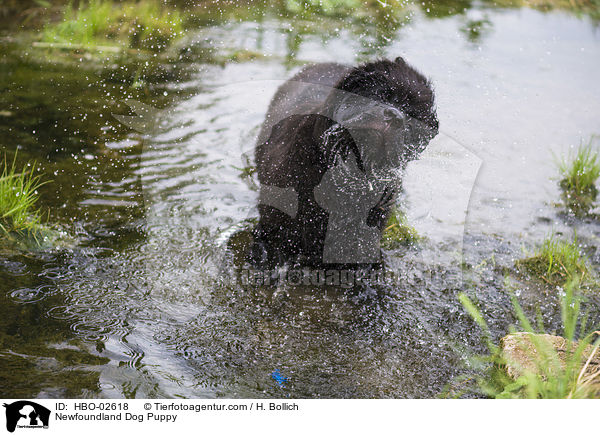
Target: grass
<point>146,24</point>
<point>556,262</point>
<point>397,232</point>
<point>18,195</point>
<point>579,175</point>
<point>543,372</point>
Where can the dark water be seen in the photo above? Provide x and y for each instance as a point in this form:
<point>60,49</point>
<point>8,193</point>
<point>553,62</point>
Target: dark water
<point>136,301</point>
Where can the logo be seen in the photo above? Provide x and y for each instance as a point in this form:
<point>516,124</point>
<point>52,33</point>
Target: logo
<point>26,414</point>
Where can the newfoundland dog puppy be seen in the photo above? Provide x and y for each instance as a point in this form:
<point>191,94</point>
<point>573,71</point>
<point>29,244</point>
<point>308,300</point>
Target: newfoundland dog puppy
<point>328,159</point>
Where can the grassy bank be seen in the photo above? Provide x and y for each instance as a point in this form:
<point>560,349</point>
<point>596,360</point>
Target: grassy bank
<point>22,223</point>
<point>590,8</point>
<point>38,12</point>
<point>537,365</point>
<point>148,25</point>
<point>557,262</point>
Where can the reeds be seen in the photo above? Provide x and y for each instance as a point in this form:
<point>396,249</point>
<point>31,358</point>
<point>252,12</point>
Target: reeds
<point>579,172</point>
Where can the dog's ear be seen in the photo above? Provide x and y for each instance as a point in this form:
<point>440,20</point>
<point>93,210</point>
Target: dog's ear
<point>400,61</point>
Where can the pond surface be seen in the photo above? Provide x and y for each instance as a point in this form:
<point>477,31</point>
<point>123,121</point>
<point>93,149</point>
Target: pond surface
<point>138,301</point>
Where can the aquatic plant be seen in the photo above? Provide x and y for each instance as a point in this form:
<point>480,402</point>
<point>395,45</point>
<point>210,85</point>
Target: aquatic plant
<point>556,262</point>
<point>579,175</point>
<point>18,195</point>
<point>397,232</point>
<point>147,24</point>
<point>474,30</point>
<point>542,371</point>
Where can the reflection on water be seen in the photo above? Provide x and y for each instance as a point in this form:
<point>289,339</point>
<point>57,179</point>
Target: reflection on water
<point>143,305</point>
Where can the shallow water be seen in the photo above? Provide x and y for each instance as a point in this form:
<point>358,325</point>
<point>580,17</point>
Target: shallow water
<point>139,303</point>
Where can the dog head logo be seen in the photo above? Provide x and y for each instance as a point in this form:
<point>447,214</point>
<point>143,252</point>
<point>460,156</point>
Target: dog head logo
<point>26,414</point>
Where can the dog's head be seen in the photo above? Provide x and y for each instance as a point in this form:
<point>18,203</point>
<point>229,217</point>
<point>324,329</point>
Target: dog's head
<point>389,109</point>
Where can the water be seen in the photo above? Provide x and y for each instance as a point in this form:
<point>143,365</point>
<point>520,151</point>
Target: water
<point>138,303</point>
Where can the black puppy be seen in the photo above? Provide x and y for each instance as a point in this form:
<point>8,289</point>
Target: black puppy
<point>333,140</point>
